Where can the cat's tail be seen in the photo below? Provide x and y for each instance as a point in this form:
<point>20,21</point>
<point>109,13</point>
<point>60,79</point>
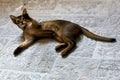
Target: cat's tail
<point>97,37</point>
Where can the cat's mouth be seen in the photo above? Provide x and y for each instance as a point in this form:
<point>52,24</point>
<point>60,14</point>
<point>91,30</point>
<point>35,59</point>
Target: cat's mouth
<point>22,25</point>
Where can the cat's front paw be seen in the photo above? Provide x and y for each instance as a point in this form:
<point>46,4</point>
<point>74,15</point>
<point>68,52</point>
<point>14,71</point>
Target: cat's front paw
<point>18,51</point>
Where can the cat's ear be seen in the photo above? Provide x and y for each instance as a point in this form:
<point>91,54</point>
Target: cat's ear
<point>13,18</point>
<point>24,10</point>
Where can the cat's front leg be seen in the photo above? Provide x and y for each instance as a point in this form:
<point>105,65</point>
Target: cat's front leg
<point>47,34</point>
<point>23,46</point>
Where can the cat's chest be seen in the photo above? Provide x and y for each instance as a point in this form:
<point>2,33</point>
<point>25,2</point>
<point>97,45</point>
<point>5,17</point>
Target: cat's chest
<point>32,31</point>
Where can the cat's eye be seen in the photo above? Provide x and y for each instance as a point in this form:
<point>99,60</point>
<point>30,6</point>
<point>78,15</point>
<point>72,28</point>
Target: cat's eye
<point>17,21</point>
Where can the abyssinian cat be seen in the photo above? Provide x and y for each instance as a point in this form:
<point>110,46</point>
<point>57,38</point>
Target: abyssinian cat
<point>63,31</point>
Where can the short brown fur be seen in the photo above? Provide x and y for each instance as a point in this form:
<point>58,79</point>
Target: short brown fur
<point>63,31</point>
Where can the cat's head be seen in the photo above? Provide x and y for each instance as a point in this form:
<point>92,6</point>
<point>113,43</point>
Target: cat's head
<point>21,21</point>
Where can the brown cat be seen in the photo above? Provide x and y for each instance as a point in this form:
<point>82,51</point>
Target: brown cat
<point>63,31</point>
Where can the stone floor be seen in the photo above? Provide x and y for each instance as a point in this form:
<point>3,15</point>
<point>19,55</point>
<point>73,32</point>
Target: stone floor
<point>92,60</point>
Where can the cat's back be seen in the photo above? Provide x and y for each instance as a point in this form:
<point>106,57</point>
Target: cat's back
<point>58,22</point>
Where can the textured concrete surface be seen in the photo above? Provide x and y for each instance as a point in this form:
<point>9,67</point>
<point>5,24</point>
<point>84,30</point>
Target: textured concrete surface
<point>92,60</point>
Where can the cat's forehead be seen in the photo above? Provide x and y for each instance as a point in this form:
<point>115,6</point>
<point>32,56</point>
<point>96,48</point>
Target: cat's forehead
<point>24,16</point>
<point>19,16</point>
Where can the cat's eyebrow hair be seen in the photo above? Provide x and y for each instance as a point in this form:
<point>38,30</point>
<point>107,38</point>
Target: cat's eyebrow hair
<point>19,16</point>
<point>26,16</point>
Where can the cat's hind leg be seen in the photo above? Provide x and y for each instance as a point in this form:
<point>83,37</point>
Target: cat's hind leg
<point>60,47</point>
<point>70,46</point>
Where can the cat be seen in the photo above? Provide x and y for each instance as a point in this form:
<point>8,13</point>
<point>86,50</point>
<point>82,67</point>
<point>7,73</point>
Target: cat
<point>63,31</point>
